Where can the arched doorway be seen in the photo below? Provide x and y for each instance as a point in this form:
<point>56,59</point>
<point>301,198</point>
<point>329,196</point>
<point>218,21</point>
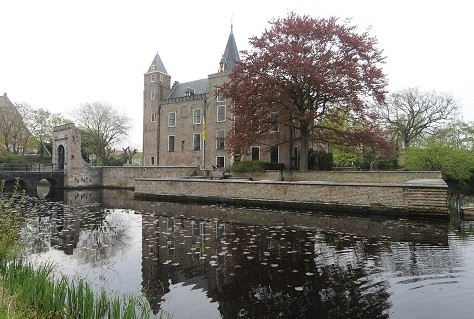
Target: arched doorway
<point>61,157</point>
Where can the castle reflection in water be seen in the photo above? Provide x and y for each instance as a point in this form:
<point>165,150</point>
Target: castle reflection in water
<point>257,263</point>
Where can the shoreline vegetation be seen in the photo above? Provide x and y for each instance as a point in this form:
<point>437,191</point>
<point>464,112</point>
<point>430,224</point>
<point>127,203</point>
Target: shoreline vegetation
<point>33,292</point>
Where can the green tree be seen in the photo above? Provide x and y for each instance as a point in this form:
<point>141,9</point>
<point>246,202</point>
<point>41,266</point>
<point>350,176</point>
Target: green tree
<point>457,134</point>
<point>41,126</point>
<point>455,162</point>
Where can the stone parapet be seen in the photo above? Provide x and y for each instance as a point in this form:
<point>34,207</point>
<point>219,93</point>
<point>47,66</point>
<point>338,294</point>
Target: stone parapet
<point>341,176</point>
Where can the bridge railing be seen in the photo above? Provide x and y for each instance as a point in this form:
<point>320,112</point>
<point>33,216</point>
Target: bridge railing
<point>28,167</point>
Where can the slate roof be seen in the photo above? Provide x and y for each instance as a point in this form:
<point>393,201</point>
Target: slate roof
<point>160,67</point>
<point>200,87</point>
<point>231,53</point>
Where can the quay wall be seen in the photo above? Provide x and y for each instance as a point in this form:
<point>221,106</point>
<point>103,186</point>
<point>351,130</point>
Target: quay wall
<point>422,197</point>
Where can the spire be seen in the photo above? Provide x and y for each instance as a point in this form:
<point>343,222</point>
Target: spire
<point>231,54</point>
<point>157,65</point>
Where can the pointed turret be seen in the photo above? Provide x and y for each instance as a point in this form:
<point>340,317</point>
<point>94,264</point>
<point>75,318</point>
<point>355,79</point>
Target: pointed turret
<point>157,65</point>
<point>231,54</point>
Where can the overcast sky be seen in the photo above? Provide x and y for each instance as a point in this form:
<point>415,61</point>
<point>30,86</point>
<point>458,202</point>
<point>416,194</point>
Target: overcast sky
<point>57,54</point>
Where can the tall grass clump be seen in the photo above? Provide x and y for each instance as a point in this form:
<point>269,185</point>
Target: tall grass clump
<point>36,289</point>
<point>36,292</point>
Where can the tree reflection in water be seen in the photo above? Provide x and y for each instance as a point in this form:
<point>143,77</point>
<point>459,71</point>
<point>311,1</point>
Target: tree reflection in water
<point>103,236</point>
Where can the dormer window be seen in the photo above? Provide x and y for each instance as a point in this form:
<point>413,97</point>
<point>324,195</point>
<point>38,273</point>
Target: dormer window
<point>222,64</point>
<point>153,67</point>
<point>189,92</point>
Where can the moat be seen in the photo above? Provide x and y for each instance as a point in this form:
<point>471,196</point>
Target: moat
<point>210,261</point>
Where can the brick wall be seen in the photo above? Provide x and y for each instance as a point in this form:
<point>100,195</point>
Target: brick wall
<point>124,176</point>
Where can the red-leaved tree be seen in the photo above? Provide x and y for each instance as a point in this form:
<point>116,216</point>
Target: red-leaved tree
<point>318,77</point>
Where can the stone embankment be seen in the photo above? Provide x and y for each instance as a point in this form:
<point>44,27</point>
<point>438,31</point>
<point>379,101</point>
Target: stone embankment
<point>417,194</point>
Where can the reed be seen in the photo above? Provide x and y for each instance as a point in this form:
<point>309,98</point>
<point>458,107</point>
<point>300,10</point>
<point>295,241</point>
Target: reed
<point>63,298</point>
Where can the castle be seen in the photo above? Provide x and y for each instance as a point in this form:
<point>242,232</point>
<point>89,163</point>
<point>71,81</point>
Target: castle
<point>185,124</point>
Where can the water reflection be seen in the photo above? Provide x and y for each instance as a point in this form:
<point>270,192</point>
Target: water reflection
<point>226,262</point>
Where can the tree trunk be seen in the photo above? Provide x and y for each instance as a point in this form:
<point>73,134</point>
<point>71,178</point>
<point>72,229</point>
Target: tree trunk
<point>406,143</point>
<point>304,151</point>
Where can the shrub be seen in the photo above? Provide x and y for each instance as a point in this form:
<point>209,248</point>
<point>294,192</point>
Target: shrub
<point>256,166</point>
<point>248,166</point>
<point>455,163</point>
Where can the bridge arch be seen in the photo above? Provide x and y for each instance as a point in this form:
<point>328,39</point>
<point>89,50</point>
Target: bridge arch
<point>10,184</point>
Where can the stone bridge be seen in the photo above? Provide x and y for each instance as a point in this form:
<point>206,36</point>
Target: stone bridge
<point>29,180</point>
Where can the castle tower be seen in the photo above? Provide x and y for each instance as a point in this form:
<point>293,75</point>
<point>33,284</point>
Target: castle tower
<point>231,54</point>
<point>218,115</point>
<point>186,124</point>
<point>157,86</point>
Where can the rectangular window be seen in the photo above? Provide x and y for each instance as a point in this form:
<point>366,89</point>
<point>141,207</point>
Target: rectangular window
<point>255,153</point>
<point>171,247</point>
<point>274,154</point>
<point>153,117</point>
<point>152,160</point>
<point>273,122</point>
<point>171,143</point>
<point>161,77</point>
<point>220,96</point>
<point>196,141</point>
<point>153,67</point>
<point>170,224</point>
<point>171,119</point>
<point>220,161</point>
<point>152,78</point>
<point>294,157</point>
<point>220,113</point>
<point>220,139</point>
<point>197,116</point>
<point>196,227</point>
<point>153,94</point>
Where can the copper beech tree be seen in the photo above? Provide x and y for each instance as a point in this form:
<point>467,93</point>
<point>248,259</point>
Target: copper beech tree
<point>317,77</point>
